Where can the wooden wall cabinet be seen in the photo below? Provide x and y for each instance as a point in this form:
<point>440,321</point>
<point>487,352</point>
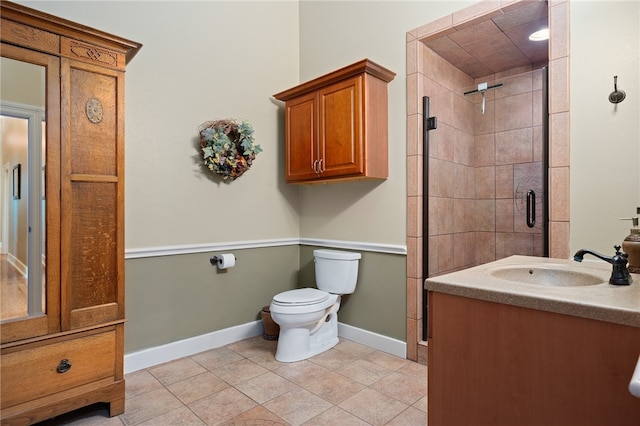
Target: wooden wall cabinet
<point>497,364</point>
<point>337,127</point>
<point>72,355</point>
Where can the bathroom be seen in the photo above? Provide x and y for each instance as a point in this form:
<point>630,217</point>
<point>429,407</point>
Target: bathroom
<point>206,68</point>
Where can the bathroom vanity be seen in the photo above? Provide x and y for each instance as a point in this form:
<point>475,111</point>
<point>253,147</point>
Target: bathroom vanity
<point>532,341</point>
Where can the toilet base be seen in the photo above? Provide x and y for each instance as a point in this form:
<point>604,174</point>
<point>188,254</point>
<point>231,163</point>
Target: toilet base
<point>296,344</point>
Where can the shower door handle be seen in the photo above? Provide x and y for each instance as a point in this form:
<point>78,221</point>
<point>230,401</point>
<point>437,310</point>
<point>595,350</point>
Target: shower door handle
<point>531,208</point>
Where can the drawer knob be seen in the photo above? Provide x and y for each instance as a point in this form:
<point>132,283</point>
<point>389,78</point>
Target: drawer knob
<point>64,366</point>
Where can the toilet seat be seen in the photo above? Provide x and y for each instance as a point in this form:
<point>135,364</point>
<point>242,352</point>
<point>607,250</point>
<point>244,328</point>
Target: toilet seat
<point>302,300</point>
<point>300,297</point>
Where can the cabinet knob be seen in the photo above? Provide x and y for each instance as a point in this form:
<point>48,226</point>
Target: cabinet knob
<point>64,366</point>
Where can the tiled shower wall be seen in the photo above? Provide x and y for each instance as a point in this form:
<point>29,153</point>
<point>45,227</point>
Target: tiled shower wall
<point>451,180</point>
<point>508,163</point>
<point>456,82</point>
<point>481,165</point>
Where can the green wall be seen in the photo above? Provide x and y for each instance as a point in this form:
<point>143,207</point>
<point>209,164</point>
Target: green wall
<point>379,303</point>
<point>171,298</point>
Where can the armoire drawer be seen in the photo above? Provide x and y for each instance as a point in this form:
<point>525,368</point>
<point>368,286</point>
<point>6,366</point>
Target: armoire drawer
<point>39,371</point>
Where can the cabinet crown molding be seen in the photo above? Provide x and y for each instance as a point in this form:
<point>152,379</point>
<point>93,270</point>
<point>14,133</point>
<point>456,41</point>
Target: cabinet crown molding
<point>363,66</point>
<point>62,27</point>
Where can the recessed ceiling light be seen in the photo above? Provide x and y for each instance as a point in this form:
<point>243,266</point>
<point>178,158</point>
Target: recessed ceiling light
<point>540,35</point>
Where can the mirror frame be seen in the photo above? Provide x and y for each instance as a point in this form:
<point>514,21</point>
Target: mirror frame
<point>48,322</point>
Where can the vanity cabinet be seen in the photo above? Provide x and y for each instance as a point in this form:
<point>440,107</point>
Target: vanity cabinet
<point>71,354</point>
<point>497,364</point>
<point>336,126</point>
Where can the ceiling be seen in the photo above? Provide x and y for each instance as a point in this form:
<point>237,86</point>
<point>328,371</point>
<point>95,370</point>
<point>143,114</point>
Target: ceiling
<point>498,43</point>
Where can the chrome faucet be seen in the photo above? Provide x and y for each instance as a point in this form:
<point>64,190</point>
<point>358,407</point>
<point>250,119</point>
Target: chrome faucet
<point>620,274</point>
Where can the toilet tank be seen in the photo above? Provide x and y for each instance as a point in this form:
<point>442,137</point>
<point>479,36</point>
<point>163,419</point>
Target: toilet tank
<point>336,271</point>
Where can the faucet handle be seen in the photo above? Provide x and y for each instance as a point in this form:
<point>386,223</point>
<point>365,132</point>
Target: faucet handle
<point>620,254</point>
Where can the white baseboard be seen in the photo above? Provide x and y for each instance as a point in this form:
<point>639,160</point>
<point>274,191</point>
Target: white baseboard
<point>171,351</point>
<point>373,340</point>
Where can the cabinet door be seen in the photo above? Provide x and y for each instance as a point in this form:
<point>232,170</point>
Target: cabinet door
<point>17,288</point>
<point>301,134</point>
<point>340,128</point>
<point>92,195</point>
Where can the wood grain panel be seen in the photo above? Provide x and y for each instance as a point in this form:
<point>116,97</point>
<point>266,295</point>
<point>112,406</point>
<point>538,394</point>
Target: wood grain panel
<point>340,128</point>
<point>93,256</point>
<point>93,54</point>
<point>301,150</point>
<point>29,37</point>
<point>93,145</point>
<point>92,358</point>
<point>494,364</point>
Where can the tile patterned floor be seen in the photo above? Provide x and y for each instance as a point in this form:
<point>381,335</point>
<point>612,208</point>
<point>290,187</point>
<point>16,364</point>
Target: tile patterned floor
<point>243,384</point>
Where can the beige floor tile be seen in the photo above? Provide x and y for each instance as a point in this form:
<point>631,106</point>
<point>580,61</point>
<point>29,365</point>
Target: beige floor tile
<point>140,382</point>
<point>408,389</point>
<point>421,404</point>
<point>216,358</point>
<point>179,417</point>
<point>254,346</point>
<point>266,386</point>
<point>364,372</point>
<point>175,371</point>
<point>388,361</point>
<point>298,406</point>
<point>197,387</point>
<point>334,359</point>
<point>258,416</point>
<point>267,360</point>
<point>414,369</point>
<point>409,417</point>
<point>222,406</point>
<point>353,348</point>
<point>336,416</point>
<point>301,372</point>
<point>239,371</point>
<point>334,387</point>
<point>350,384</point>
<point>373,407</point>
<point>149,406</point>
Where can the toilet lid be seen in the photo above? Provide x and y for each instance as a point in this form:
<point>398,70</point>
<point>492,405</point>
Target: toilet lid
<point>301,296</point>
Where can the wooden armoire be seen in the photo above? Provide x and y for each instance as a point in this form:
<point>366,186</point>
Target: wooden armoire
<point>70,354</point>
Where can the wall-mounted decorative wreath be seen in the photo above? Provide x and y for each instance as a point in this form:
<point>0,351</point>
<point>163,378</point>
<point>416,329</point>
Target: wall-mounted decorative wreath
<point>228,147</point>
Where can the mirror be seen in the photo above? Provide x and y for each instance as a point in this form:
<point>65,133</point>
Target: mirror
<point>22,189</point>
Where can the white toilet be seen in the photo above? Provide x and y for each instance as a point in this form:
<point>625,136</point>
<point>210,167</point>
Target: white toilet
<point>308,317</point>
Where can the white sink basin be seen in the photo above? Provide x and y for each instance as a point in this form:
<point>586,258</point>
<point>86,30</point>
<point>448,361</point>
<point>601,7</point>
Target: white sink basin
<point>547,275</point>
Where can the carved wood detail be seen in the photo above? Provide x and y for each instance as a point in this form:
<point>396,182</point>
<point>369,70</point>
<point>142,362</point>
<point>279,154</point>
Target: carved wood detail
<point>94,54</point>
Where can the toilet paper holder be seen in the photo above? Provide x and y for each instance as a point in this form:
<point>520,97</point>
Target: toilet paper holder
<point>217,260</point>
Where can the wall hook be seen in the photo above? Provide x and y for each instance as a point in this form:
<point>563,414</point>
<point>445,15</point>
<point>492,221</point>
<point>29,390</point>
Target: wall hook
<point>616,96</point>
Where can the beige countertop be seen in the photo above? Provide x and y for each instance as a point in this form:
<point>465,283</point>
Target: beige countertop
<point>604,302</point>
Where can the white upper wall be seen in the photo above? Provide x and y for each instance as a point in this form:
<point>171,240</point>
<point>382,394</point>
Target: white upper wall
<point>214,59</point>
<point>200,61</point>
<point>334,34</point>
<point>605,138</point>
